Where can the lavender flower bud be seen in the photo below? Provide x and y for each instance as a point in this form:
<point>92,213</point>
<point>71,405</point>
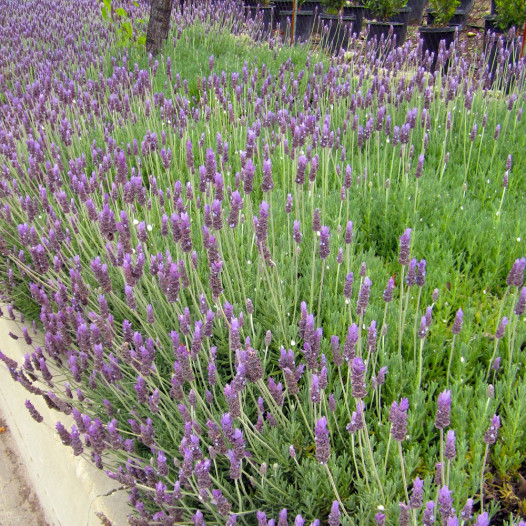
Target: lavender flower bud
<point>357,378</point>
<point>416,500</point>
<point>459,320</point>
<point>405,247</point>
<point>490,437</point>
<point>363,297</point>
<point>398,419</point>
<point>322,440</point>
<point>35,415</point>
<point>442,418</point>
<point>334,515</point>
<point>348,233</point>
<point>520,306</point>
<point>379,518</point>
<point>467,512</point>
<point>404,519</point>
<point>324,243</point>
<point>449,448</point>
<point>388,292</point>
<point>347,288</point>
<point>428,518</point>
<point>356,422</point>
<point>316,221</point>
<point>445,503</point>
<point>483,519</point>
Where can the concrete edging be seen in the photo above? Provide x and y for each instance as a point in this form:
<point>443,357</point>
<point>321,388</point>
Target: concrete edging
<point>71,490</point>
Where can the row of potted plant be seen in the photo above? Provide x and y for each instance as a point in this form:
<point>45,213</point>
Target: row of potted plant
<point>386,19</point>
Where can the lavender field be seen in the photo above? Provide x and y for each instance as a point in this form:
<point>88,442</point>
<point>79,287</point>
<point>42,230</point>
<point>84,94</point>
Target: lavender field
<point>271,286</point>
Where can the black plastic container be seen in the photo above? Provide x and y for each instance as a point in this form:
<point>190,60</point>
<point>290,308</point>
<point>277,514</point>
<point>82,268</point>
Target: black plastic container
<point>304,21</point>
<point>490,27</point>
<point>459,18</point>
<point>417,10</point>
<point>359,12</point>
<point>402,16</point>
<point>340,29</point>
<point>267,13</point>
<point>381,29</point>
<point>431,38</point>
<point>509,48</point>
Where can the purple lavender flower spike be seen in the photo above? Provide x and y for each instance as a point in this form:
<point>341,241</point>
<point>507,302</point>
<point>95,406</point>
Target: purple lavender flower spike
<point>416,500</point>
<point>348,233</point>
<point>520,306</point>
<point>282,519</point>
<point>321,432</point>
<point>483,519</point>
<point>398,419</point>
<point>490,437</point>
<point>357,378</point>
<point>324,243</point>
<point>442,418</point>
<point>363,297</point>
<point>405,247</point>
<point>450,448</point>
<point>35,415</point>
<point>445,503</point>
<point>467,512</point>
<point>335,514</point>
<point>459,320</point>
<point>379,518</point>
<point>404,518</point>
<point>428,518</point>
<point>388,292</point>
<point>347,288</point>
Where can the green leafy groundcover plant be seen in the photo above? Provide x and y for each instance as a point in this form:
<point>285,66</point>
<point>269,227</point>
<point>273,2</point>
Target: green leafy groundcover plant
<point>270,287</point>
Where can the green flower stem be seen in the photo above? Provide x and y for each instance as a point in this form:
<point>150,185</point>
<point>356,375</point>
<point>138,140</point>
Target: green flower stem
<point>486,452</point>
<point>400,325</point>
<point>335,489</point>
<point>451,352</point>
<point>401,455</point>
<point>371,456</point>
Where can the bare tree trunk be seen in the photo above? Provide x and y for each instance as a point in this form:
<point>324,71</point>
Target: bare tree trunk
<point>158,25</point>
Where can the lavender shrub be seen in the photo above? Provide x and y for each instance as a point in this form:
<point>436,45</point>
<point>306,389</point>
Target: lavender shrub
<point>264,279</point>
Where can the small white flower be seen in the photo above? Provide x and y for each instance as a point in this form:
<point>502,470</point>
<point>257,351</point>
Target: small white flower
<point>149,228</point>
<point>518,240</point>
<point>462,359</point>
<point>292,343</point>
<point>135,222</point>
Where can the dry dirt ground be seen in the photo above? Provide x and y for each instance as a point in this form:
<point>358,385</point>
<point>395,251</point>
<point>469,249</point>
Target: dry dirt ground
<point>19,504</point>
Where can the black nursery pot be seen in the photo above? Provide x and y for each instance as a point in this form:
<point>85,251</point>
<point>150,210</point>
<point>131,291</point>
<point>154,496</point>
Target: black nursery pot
<point>490,27</point>
<point>417,10</point>
<point>340,30</point>
<point>304,21</point>
<point>379,29</point>
<point>511,48</point>
<point>403,17</point>
<point>431,38</point>
<point>267,12</point>
<point>459,18</point>
<point>359,13</point>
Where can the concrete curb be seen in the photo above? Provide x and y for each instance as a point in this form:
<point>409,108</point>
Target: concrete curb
<point>71,490</point>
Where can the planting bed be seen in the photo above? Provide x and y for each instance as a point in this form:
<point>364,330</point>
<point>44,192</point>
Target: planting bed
<point>260,284</point>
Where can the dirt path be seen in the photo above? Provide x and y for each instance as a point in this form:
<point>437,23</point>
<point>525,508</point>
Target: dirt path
<point>19,504</point>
